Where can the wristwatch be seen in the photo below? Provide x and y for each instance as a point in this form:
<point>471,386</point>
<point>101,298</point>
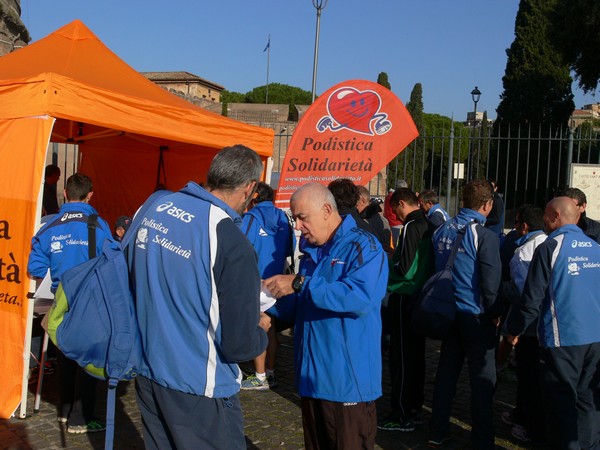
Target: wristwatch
<point>297,283</point>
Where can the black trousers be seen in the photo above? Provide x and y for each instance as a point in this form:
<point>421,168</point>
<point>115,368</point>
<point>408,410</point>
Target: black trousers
<point>406,359</point>
<point>529,411</point>
<point>338,426</point>
<point>472,337</point>
<point>77,392</point>
<point>571,386</point>
<point>173,419</point>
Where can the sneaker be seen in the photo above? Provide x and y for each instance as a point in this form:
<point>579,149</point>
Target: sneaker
<point>397,424</point>
<point>92,426</point>
<point>253,383</point>
<point>272,380</point>
<point>520,433</point>
<point>508,417</point>
<point>437,443</point>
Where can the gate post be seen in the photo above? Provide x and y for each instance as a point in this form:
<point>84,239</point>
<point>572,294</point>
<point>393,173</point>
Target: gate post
<point>450,173</point>
<point>570,156</point>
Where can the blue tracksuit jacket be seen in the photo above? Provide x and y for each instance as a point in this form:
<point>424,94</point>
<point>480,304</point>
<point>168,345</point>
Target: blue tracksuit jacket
<point>197,293</point>
<point>62,243</point>
<point>477,269</point>
<point>337,335</point>
<point>563,289</point>
<point>268,230</point>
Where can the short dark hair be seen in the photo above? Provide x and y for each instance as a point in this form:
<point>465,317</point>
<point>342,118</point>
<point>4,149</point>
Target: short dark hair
<point>78,187</point>
<point>51,170</point>
<point>476,193</point>
<point>532,215</point>
<point>264,193</point>
<point>345,192</point>
<point>575,194</point>
<point>234,167</point>
<point>429,196</point>
<point>404,194</point>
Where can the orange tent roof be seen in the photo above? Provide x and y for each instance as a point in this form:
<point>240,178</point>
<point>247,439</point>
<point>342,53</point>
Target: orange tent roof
<point>131,132</point>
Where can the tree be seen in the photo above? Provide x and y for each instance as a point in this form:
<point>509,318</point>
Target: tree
<point>574,31</point>
<point>415,106</point>
<point>279,94</point>
<point>537,82</point>
<point>382,79</point>
<point>230,97</point>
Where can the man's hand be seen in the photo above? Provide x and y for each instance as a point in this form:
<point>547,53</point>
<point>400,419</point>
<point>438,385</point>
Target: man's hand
<point>512,340</point>
<point>279,285</point>
<point>264,322</point>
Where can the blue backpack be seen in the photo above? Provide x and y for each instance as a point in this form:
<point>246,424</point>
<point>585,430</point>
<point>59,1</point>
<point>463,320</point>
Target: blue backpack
<point>93,319</point>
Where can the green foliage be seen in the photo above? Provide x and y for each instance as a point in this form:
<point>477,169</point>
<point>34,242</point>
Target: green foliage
<point>382,79</point>
<point>279,94</point>
<point>230,97</point>
<point>575,26</point>
<point>537,83</point>
<point>415,106</point>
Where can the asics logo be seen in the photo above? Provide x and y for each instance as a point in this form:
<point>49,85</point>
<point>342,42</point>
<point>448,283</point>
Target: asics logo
<point>178,213</point>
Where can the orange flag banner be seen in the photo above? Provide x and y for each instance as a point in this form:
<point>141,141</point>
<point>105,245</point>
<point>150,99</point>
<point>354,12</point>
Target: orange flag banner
<point>351,131</point>
<point>23,144</point>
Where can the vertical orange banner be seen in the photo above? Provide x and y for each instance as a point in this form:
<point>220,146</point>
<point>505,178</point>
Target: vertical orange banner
<point>23,144</point>
<point>351,131</point>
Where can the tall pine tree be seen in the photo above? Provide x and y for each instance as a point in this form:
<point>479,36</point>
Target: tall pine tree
<point>415,106</point>
<point>537,82</point>
<point>382,79</point>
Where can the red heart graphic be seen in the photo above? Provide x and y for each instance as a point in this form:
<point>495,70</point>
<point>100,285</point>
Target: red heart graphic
<point>354,109</point>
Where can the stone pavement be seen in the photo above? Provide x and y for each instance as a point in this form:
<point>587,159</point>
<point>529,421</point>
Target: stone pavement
<point>272,418</point>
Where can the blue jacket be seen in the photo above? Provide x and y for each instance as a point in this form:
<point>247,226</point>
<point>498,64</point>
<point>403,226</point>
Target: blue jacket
<point>62,242</point>
<point>337,335</point>
<point>477,271</point>
<point>562,289</point>
<point>197,291</point>
<point>269,231</point>
<point>437,215</point>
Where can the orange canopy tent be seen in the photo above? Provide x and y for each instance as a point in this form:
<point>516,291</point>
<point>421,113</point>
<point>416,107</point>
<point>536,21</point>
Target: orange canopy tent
<point>70,88</point>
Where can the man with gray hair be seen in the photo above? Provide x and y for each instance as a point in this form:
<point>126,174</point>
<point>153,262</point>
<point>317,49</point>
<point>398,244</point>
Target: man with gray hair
<point>197,291</point>
<point>335,304</point>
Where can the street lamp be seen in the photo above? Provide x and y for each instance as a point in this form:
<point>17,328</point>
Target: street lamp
<point>320,6</point>
<point>475,94</point>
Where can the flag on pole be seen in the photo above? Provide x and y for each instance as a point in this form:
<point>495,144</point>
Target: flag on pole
<point>268,46</point>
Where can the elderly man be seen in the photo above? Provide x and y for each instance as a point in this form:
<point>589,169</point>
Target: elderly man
<point>336,309</point>
<point>562,290</point>
<point>197,291</point>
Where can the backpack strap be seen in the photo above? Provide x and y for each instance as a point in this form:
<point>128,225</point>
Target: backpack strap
<point>249,224</point>
<point>92,223</point>
<point>459,237</point>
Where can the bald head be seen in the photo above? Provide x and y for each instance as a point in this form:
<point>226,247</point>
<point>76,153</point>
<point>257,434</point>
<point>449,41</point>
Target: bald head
<point>560,211</point>
<point>314,210</point>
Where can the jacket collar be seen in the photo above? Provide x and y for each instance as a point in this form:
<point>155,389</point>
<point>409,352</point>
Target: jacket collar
<point>195,190</point>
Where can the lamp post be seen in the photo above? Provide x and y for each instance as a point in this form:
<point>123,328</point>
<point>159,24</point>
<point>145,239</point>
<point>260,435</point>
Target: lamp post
<point>320,6</point>
<point>475,94</point>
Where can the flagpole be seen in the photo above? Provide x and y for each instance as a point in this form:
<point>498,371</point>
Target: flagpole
<point>268,62</point>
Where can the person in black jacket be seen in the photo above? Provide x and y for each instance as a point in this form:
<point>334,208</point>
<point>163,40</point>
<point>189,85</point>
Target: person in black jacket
<point>346,196</point>
<point>371,211</point>
<point>590,227</point>
<point>411,265</point>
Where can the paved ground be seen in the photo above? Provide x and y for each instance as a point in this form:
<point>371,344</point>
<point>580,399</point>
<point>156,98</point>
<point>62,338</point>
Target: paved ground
<point>272,418</point>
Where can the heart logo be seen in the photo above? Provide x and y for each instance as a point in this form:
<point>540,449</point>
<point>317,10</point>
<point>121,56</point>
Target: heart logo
<point>354,109</point>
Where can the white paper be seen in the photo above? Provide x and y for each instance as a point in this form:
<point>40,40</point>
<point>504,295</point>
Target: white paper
<point>266,299</point>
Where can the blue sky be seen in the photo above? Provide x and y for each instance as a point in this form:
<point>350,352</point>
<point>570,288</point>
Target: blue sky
<point>448,47</point>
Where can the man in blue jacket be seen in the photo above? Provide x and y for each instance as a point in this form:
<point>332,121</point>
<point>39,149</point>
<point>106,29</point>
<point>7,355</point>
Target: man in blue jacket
<point>197,291</point>
<point>336,309</point>
<point>63,243</point>
<point>562,290</point>
<point>476,277</point>
<point>272,236</point>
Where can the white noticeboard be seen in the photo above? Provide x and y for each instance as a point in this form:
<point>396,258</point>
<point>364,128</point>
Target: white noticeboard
<point>587,178</point>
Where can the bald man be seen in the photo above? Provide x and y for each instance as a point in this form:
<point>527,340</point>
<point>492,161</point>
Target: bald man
<point>563,291</point>
<point>335,304</point>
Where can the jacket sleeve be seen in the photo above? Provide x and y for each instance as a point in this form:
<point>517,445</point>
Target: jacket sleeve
<point>238,288</point>
<point>39,260</point>
<point>490,272</point>
<point>527,309</point>
<point>363,284</point>
<point>408,244</point>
